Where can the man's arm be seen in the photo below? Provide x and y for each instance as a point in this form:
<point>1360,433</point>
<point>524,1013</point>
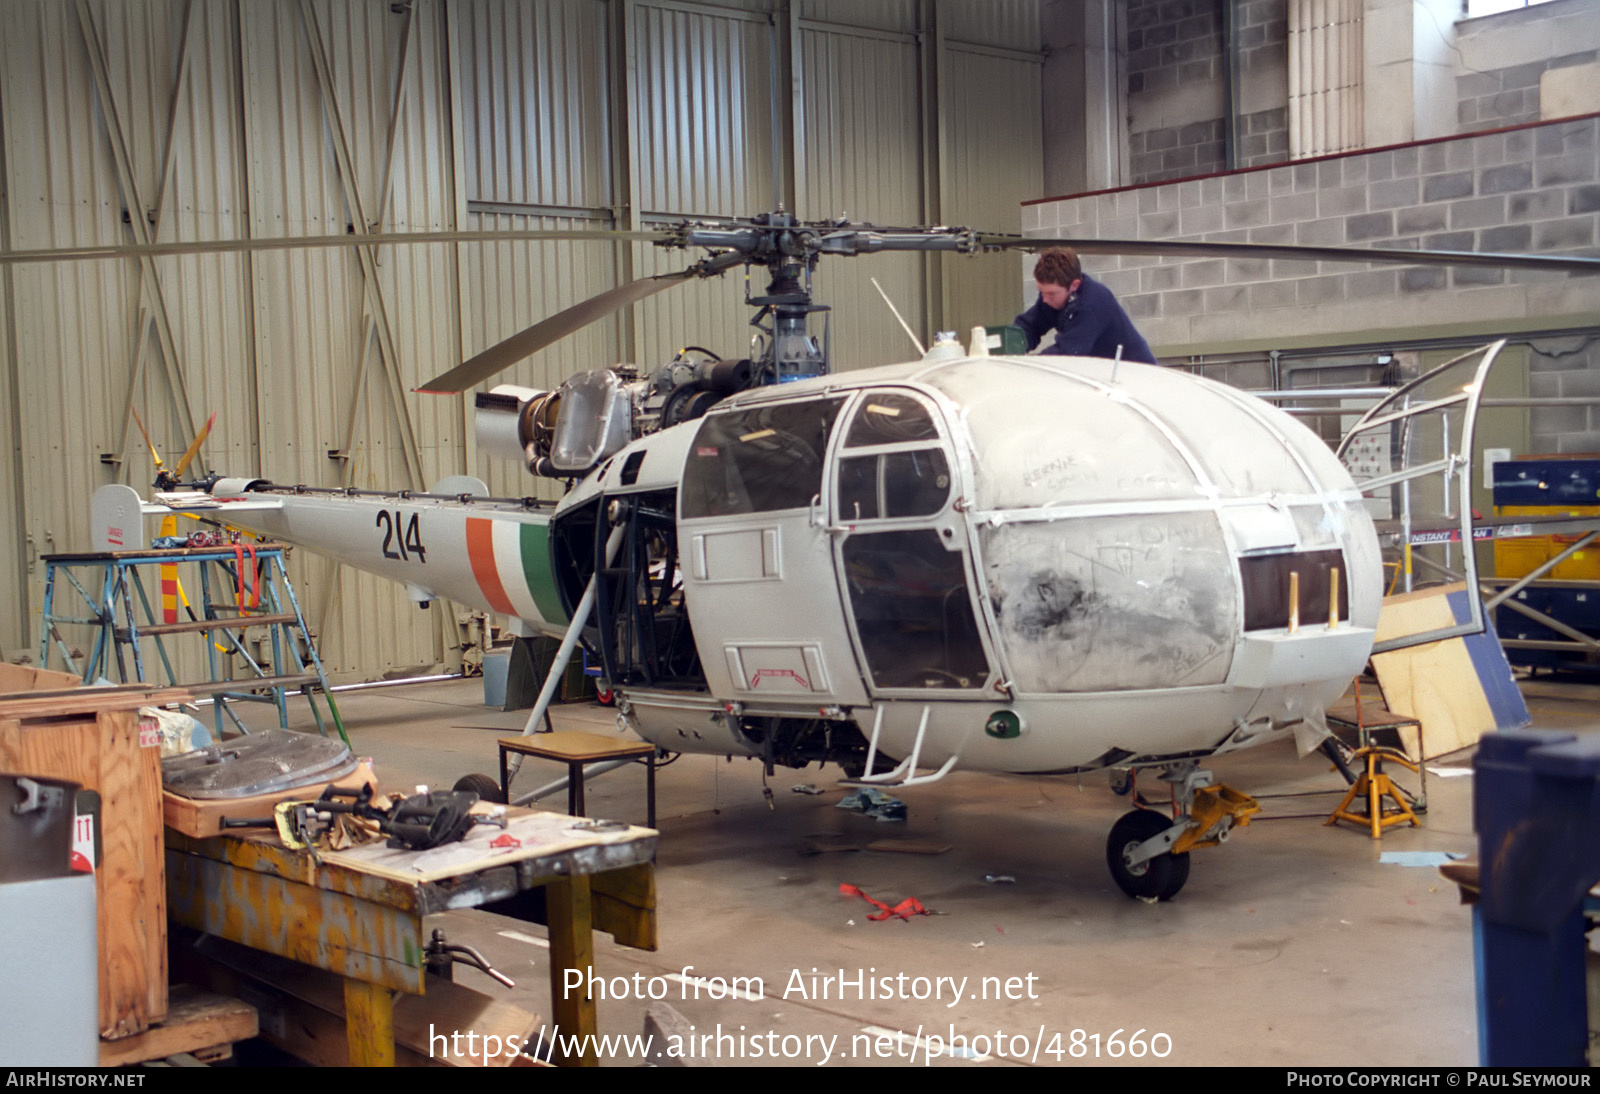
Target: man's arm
<point>1033,323</point>
<point>1078,329</point>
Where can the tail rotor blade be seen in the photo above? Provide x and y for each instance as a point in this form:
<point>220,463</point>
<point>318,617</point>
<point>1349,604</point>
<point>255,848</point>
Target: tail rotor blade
<point>194,446</point>
<point>145,433</point>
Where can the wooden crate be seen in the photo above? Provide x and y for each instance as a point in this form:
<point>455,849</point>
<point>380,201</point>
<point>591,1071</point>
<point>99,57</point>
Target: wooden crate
<point>91,736</point>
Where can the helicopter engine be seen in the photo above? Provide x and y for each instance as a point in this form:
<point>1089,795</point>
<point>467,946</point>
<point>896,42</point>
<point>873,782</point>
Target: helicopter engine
<point>565,433</point>
<point>685,388</point>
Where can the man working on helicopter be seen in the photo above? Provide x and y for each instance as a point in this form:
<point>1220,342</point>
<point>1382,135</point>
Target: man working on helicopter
<point>1085,316</point>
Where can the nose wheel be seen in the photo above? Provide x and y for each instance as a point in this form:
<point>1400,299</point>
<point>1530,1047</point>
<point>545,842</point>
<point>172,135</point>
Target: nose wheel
<point>1158,877</point>
<point>1149,854</point>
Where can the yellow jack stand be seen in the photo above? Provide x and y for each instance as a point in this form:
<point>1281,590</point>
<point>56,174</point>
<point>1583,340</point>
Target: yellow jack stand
<point>1374,785</point>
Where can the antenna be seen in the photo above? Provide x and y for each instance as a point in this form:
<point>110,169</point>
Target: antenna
<point>915,341</point>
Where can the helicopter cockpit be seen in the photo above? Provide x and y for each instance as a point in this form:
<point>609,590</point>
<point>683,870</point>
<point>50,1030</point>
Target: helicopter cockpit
<point>1109,520</point>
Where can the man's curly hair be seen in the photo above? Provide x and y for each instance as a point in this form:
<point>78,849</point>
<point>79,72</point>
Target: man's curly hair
<point>1057,267</point>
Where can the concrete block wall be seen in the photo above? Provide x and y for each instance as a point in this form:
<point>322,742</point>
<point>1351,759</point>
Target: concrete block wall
<point>1500,59</point>
<point>1507,96</point>
<point>1263,137</point>
<point>1177,100</point>
<point>1174,72</point>
<point>1177,151</point>
<point>1533,189</point>
<point>1262,27</point>
<point>1565,367</point>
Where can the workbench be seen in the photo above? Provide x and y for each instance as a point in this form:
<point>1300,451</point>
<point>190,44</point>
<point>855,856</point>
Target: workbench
<point>360,913</point>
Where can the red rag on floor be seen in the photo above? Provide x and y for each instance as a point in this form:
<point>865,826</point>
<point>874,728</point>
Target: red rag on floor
<point>907,908</point>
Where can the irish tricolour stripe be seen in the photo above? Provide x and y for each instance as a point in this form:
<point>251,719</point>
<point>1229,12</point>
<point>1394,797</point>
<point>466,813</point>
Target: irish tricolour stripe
<point>511,563</point>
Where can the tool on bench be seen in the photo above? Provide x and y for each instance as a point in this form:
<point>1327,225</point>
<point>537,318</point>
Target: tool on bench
<point>417,823</point>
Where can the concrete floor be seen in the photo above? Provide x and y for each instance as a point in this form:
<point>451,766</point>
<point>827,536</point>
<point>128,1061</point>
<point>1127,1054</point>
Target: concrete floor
<point>1291,944</point>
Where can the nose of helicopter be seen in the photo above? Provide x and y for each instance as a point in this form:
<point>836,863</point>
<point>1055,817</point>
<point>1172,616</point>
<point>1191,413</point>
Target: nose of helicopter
<point>1141,528</point>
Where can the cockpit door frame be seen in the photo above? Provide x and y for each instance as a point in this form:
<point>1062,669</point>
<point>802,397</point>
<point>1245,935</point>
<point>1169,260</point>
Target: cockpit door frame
<point>975,660</point>
<point>770,626</point>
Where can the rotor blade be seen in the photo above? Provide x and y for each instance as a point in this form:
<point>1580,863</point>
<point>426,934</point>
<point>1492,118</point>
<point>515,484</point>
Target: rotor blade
<point>1196,249</point>
<point>154,455</point>
<point>293,243</point>
<point>504,354</point>
<point>194,446</point>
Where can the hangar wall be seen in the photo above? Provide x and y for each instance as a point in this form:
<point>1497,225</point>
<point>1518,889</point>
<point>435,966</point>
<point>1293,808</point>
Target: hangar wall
<point>1177,86</point>
<point>165,121</point>
<point>1410,72</point>
<point>1534,189</point>
<point>1200,78</point>
<point>1501,61</point>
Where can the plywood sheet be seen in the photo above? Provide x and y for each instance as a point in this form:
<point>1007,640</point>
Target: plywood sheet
<point>1459,692</point>
<point>195,1021</point>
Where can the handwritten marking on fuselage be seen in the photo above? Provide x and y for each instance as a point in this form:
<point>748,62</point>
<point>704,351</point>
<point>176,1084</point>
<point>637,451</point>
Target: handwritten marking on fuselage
<point>1061,469</point>
<point>1161,484</point>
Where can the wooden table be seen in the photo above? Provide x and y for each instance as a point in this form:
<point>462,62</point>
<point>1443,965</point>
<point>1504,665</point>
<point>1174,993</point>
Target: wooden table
<point>578,750</point>
<point>360,913</point>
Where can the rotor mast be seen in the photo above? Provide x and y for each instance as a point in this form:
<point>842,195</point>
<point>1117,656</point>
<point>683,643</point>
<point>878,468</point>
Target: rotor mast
<point>789,249</point>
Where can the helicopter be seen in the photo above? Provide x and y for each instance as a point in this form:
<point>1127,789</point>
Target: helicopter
<point>1033,564</point>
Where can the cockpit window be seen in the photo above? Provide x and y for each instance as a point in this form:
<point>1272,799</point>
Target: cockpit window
<point>758,460</point>
<point>893,484</point>
<point>913,611</point>
<point>890,418</point>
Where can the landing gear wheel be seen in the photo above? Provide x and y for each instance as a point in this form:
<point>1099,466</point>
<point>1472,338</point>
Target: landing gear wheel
<point>1160,877</point>
<point>1177,878</point>
<point>482,785</point>
<point>604,695</point>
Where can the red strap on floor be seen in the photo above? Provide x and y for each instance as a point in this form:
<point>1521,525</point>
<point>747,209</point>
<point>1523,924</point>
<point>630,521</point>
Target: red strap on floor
<point>907,908</point>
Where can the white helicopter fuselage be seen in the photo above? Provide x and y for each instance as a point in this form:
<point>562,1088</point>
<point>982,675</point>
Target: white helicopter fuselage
<point>492,554</point>
<point>1029,564</point>
<point>1032,564</point>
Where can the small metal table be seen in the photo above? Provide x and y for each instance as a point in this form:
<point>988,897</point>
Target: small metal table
<point>577,750</point>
